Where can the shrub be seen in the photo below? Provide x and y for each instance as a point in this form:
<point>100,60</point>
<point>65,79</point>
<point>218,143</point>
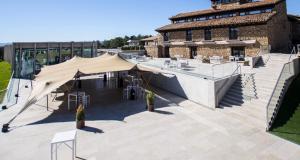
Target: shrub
<point>80,115</point>
<point>150,98</point>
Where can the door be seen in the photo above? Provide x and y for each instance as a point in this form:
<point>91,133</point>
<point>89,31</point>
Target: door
<point>238,52</point>
<point>193,52</point>
<point>167,52</point>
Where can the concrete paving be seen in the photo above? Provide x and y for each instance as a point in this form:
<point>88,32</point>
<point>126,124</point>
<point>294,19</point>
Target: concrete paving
<point>120,129</point>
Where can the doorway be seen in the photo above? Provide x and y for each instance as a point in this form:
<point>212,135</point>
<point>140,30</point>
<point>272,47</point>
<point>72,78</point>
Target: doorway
<point>167,52</point>
<point>193,52</point>
<point>238,52</point>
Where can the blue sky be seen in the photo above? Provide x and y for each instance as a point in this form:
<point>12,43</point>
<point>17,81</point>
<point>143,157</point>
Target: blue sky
<point>84,20</point>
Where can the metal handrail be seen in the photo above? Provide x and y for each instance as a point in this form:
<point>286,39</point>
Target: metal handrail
<point>273,92</point>
<point>8,87</point>
<point>277,82</point>
<point>293,51</point>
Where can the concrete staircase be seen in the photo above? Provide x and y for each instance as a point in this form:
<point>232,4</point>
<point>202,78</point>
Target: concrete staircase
<point>250,100</point>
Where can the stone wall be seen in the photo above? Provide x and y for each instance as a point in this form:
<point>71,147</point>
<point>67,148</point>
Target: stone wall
<point>177,36</point>
<point>213,50</point>
<point>180,50</point>
<point>154,51</point>
<point>295,27</point>
<point>198,35</point>
<point>279,29</point>
<point>220,34</point>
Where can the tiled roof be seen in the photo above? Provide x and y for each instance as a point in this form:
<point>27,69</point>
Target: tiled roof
<point>150,38</point>
<point>243,20</point>
<point>294,17</point>
<point>227,8</point>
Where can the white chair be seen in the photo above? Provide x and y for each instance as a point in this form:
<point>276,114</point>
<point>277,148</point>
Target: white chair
<point>231,58</point>
<point>85,100</point>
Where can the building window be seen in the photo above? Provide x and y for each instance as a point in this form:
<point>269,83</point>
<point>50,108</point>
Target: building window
<point>166,36</point>
<point>189,35</point>
<point>207,34</point>
<point>233,33</point>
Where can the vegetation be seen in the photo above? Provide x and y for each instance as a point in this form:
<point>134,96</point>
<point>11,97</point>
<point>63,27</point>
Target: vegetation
<point>80,115</point>
<point>121,41</point>
<point>287,123</point>
<point>150,98</point>
<point>5,73</point>
<point>150,101</point>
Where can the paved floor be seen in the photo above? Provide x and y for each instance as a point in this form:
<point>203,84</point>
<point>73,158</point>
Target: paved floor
<point>118,129</point>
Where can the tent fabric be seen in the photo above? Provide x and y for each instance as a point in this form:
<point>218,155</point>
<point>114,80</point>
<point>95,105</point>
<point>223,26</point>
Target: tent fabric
<point>52,77</point>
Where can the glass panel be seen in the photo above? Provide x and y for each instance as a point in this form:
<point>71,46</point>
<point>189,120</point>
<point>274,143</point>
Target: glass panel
<point>17,65</point>
<point>87,53</point>
<point>27,63</point>
<point>40,59</point>
<point>189,35</point>
<point>53,56</point>
<point>207,34</point>
<point>66,54</point>
<point>77,52</point>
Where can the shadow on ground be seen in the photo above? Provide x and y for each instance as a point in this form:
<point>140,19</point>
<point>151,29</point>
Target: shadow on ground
<point>106,104</point>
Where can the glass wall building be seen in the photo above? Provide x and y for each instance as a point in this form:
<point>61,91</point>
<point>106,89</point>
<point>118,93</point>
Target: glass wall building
<point>29,58</point>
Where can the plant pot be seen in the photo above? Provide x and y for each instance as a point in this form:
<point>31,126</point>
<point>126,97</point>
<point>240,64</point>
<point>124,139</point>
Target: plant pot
<point>151,107</point>
<point>80,124</point>
<point>246,63</point>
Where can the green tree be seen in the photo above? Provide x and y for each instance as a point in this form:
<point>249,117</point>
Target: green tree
<point>117,42</point>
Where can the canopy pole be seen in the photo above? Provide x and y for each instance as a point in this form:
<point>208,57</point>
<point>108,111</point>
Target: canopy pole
<point>47,102</point>
<point>77,88</point>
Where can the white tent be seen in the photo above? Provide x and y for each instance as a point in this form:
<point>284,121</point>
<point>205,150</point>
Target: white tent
<point>52,77</point>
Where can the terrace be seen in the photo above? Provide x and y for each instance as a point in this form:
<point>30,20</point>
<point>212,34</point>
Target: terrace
<point>118,129</point>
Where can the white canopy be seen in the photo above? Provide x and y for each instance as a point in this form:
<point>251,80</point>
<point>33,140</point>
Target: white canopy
<point>52,77</point>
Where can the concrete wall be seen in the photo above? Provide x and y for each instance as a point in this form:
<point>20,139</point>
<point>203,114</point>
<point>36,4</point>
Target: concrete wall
<point>222,86</point>
<point>207,93</point>
<point>8,53</point>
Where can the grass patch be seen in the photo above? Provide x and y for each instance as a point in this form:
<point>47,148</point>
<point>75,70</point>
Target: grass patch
<point>287,123</point>
<point>5,74</point>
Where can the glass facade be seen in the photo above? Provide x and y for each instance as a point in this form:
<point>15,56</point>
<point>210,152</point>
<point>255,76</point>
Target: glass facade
<point>87,53</point>
<point>29,61</point>
<point>66,54</point>
<point>53,56</point>
<point>77,52</point>
<point>40,59</point>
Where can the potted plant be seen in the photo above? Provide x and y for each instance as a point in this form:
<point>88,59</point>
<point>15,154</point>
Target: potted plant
<point>247,63</point>
<point>150,101</point>
<point>80,117</point>
<point>205,59</point>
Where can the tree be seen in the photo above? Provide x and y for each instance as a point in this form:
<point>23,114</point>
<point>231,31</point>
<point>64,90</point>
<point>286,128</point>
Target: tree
<point>117,42</point>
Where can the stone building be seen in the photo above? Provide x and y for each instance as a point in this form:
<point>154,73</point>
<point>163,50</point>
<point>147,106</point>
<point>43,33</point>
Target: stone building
<point>229,28</point>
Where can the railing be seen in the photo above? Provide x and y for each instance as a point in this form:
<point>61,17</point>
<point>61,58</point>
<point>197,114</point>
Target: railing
<point>293,52</point>
<point>211,72</point>
<point>279,90</point>
<point>11,91</point>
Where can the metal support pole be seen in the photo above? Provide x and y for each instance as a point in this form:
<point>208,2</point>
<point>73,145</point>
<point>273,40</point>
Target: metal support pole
<point>47,102</point>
